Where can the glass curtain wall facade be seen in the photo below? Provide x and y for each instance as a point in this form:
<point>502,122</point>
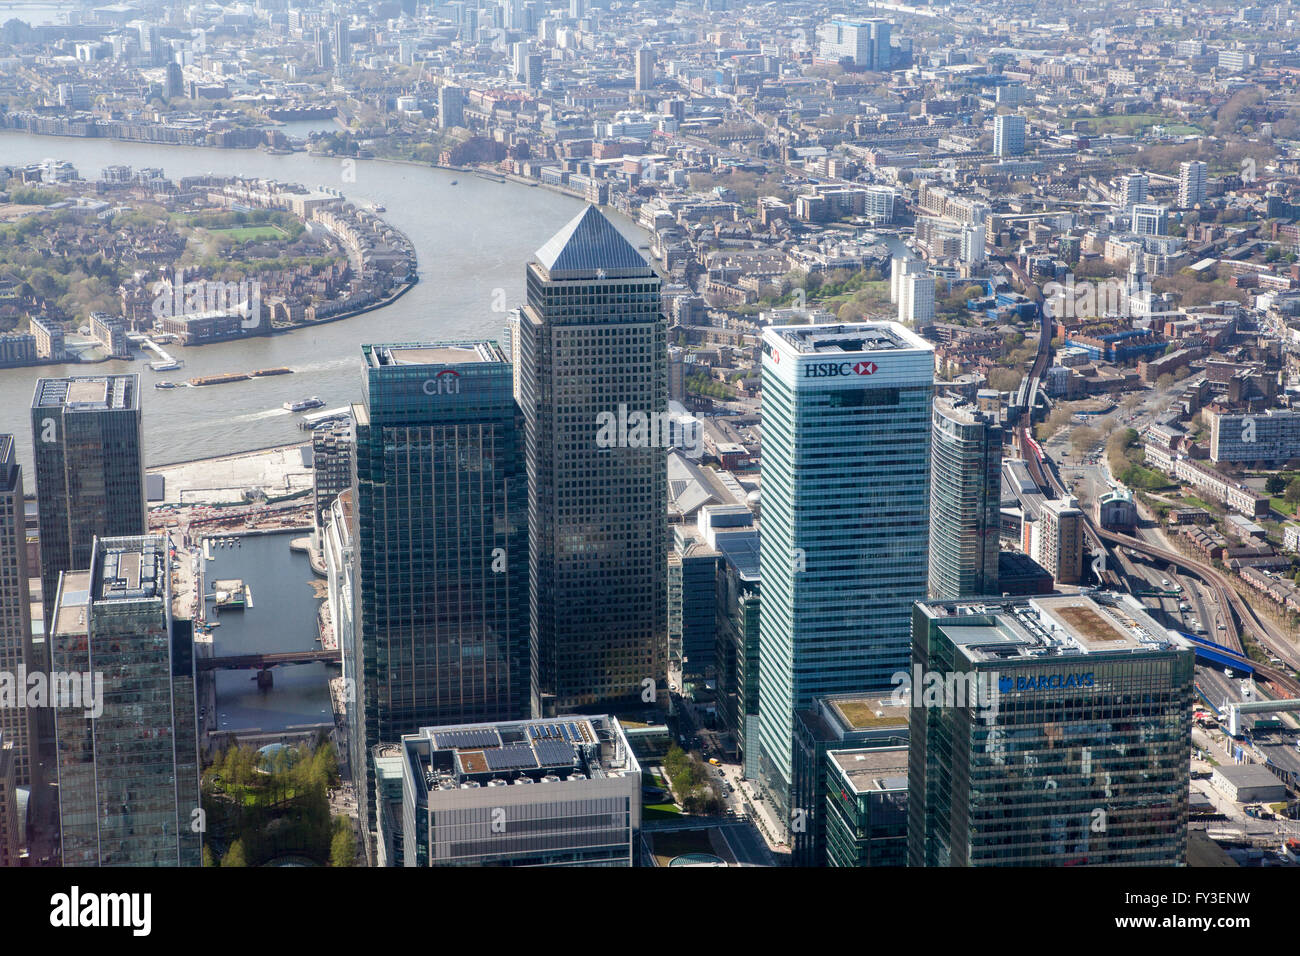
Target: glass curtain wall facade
<point>16,724</point>
<point>89,470</point>
<point>440,546</point>
<point>1082,757</point>
<point>965,501</point>
<point>846,496</point>
<point>129,777</point>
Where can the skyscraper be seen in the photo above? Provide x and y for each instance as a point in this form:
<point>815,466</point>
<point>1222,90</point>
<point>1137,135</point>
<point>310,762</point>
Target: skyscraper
<point>1191,183</point>
<point>451,106</point>
<point>129,777</point>
<point>441,545</point>
<point>916,299</point>
<point>1057,540</point>
<point>593,385</point>
<point>846,495</point>
<point>1057,735</point>
<point>863,42</point>
<point>89,470</point>
<point>1008,135</point>
<point>342,42</point>
<point>965,500</point>
<point>15,610</point>
<point>645,68</point>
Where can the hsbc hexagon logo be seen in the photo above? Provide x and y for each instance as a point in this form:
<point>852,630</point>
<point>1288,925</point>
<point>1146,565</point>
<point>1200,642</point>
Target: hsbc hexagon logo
<point>833,369</point>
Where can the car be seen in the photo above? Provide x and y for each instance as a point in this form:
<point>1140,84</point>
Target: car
<point>1223,627</point>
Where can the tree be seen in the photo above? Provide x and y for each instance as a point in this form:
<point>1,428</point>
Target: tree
<point>1082,439</point>
<point>235,855</point>
<point>208,858</point>
<point>1293,491</point>
<point>343,848</point>
<point>1276,484</point>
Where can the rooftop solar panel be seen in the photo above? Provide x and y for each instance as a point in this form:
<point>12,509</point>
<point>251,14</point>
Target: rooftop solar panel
<point>473,737</point>
<point>513,757</point>
<point>554,753</point>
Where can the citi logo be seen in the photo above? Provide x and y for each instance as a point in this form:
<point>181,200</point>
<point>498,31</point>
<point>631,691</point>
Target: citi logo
<point>446,382</point>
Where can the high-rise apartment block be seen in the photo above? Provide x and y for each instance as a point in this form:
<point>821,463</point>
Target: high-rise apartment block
<point>965,500</point>
<point>1008,135</point>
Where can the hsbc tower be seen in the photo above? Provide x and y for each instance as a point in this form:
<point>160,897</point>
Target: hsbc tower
<point>845,522</point>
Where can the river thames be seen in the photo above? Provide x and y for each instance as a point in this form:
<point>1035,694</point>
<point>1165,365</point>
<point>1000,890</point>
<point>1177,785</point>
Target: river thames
<point>470,240</point>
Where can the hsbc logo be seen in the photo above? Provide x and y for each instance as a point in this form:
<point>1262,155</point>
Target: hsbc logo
<point>833,369</point>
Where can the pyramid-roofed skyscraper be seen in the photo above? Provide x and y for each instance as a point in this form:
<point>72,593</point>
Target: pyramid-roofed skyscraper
<point>590,345</point>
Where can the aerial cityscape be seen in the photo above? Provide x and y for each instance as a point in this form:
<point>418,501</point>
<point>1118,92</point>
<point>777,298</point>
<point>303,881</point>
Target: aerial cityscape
<point>670,433</point>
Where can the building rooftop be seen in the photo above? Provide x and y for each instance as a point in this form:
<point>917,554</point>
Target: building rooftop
<point>1054,626</point>
<point>863,712</point>
<point>845,339</point>
<point>127,569</point>
<point>74,599</point>
<point>519,752</point>
<point>873,770</point>
<point>435,353</point>
<point>961,410</point>
<point>89,393</point>
<point>589,245</point>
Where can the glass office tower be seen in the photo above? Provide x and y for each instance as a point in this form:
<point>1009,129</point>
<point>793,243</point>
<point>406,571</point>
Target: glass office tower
<point>965,500</point>
<point>846,497</point>
<point>441,546</point>
<point>89,470</point>
<point>1048,731</point>
<point>590,349</point>
<point>16,722</point>
<point>129,774</point>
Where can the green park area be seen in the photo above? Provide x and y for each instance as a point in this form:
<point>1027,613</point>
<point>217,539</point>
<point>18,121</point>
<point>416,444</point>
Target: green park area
<point>1130,124</point>
<point>252,233</point>
<point>261,805</point>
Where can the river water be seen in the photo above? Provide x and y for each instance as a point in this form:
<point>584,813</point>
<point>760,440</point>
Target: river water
<point>470,239</point>
<point>282,618</point>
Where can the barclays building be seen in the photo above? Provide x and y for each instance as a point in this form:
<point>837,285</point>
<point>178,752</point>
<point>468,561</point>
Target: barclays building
<point>1048,731</point>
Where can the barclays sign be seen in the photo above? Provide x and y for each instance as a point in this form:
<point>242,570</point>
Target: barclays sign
<point>1046,682</point>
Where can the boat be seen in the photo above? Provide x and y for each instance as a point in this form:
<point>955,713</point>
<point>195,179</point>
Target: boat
<point>305,404</point>
<point>455,181</point>
<point>165,385</point>
<point>280,370</point>
<point>219,379</point>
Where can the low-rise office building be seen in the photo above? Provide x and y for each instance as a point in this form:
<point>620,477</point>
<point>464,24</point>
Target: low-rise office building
<point>565,791</point>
